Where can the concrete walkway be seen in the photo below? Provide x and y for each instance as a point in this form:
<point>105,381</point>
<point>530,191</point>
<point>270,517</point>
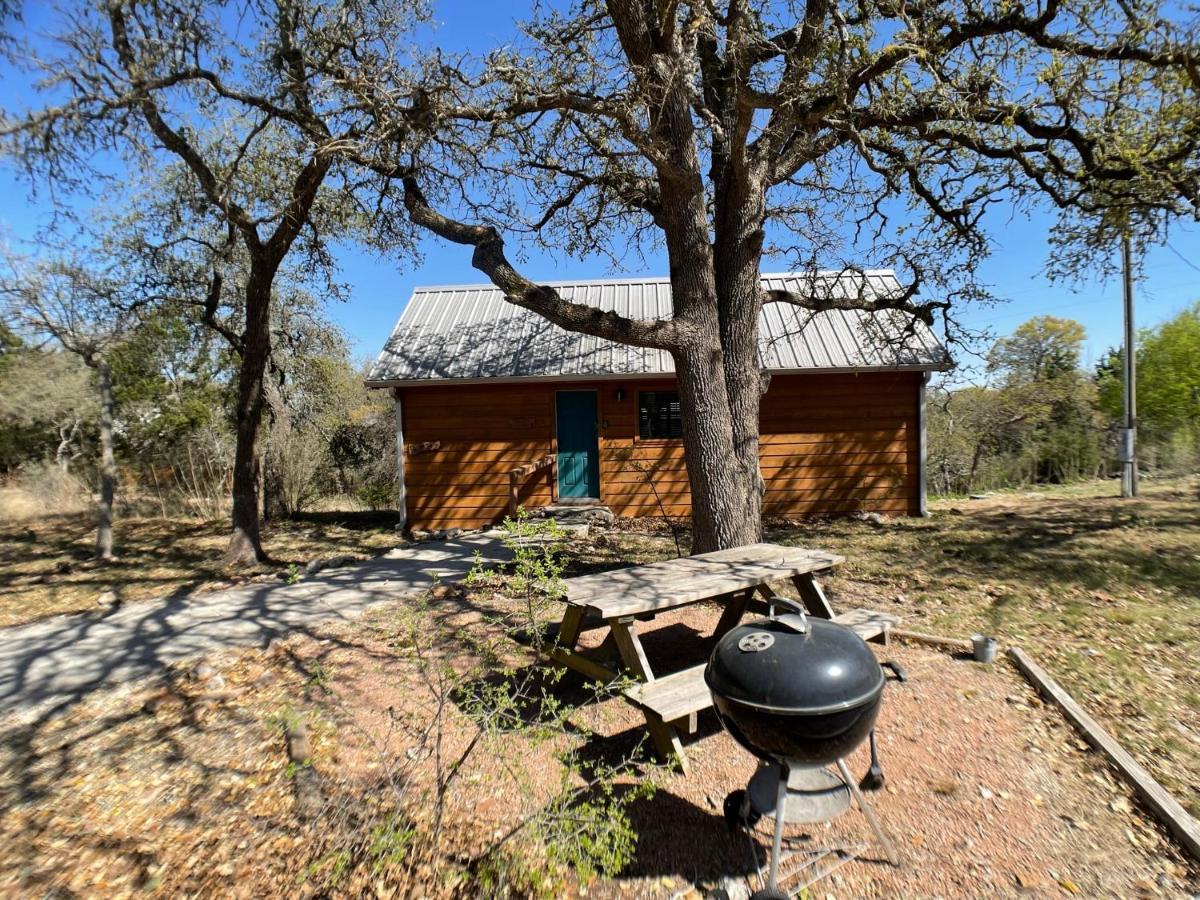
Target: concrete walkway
<point>55,662</point>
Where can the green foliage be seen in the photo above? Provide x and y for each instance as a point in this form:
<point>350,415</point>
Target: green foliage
<point>172,380</point>
<point>293,768</point>
<point>376,495</point>
<point>588,828</point>
<point>1040,351</point>
<point>1039,423</point>
<point>331,867</point>
<point>48,407</point>
<point>391,842</point>
<point>1168,390</point>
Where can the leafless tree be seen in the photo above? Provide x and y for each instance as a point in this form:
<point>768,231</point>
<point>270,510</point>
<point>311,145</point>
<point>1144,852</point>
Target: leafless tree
<point>227,95</point>
<point>830,133</point>
<point>84,310</point>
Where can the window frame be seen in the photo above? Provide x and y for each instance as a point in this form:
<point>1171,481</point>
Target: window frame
<point>638,428</point>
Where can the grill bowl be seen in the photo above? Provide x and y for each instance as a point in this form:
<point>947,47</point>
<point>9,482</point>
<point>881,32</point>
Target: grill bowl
<point>809,696</point>
<point>805,739</point>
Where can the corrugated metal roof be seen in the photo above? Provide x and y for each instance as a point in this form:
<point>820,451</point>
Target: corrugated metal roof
<point>469,332</point>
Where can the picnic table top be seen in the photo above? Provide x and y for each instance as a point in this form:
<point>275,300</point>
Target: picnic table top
<point>678,582</point>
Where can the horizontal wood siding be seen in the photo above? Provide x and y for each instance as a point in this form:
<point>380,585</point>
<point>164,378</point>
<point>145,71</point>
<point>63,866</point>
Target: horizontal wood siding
<point>837,444</point>
<point>831,444</point>
<point>484,433</point>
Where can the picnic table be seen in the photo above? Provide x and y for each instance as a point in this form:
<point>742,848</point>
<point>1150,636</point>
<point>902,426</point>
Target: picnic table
<point>618,600</point>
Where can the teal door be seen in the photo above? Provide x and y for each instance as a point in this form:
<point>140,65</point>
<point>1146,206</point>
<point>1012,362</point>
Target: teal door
<point>578,447</point>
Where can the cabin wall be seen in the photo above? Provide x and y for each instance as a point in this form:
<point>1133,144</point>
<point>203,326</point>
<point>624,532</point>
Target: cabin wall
<point>831,444</point>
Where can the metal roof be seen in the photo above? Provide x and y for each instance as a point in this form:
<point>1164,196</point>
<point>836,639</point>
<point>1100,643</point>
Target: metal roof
<point>470,333</point>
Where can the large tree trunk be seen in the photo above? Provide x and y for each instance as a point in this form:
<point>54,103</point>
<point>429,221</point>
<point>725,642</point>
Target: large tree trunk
<point>737,263</point>
<point>108,468</point>
<point>245,542</point>
<point>720,380</point>
<point>724,493</point>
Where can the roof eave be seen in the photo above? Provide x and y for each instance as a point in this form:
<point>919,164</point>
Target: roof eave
<point>642,376</point>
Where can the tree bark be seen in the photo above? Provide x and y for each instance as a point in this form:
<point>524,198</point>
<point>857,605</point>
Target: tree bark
<point>278,430</point>
<point>63,454</point>
<point>245,541</point>
<point>721,490</point>
<point>108,468</point>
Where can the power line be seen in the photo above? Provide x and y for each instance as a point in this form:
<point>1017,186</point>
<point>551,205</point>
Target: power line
<point>1171,247</point>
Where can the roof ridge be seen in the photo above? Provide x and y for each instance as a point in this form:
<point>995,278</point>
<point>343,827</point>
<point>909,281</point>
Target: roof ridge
<point>643,279</point>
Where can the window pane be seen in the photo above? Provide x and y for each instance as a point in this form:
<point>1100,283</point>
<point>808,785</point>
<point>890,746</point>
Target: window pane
<point>658,415</point>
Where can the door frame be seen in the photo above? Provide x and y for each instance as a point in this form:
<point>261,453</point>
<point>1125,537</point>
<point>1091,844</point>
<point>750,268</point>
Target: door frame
<point>558,468</point>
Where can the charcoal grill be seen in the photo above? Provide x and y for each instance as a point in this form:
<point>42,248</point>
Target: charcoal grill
<point>800,694</point>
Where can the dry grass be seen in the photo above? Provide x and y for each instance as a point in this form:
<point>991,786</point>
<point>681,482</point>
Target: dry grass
<point>46,565</point>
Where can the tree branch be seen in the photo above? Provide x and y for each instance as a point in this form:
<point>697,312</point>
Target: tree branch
<point>489,258</point>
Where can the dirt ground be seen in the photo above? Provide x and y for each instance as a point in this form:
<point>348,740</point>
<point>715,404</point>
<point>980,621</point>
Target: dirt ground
<point>186,785</point>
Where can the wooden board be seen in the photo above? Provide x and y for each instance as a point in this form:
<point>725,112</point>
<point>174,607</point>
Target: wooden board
<point>675,696</point>
<point>1165,807</point>
<point>867,623</point>
<point>678,582</point>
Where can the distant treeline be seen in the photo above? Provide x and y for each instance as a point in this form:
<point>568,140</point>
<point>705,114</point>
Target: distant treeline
<point>1044,419</point>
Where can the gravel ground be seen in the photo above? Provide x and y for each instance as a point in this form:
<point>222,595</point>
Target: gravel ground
<point>185,788</point>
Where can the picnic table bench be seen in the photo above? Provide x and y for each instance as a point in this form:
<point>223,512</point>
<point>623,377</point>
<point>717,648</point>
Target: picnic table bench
<point>619,599</point>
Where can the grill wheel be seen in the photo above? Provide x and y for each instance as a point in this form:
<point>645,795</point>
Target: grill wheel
<point>739,814</point>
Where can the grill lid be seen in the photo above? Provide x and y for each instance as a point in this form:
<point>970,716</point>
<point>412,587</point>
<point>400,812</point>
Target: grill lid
<point>770,665</point>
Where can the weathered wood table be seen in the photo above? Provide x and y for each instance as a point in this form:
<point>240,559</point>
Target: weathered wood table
<point>619,599</point>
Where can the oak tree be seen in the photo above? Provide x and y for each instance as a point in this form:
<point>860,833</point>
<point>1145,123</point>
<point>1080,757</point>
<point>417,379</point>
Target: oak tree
<point>84,310</point>
<point>823,133</point>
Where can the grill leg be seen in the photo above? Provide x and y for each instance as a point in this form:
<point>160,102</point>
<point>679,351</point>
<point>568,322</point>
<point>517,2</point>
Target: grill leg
<point>873,780</point>
<point>777,842</point>
<point>880,834</point>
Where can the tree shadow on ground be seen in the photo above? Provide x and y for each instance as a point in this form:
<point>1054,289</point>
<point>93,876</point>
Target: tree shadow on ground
<point>353,520</point>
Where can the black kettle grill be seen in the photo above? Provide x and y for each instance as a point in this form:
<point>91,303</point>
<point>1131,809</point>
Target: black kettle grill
<point>800,694</point>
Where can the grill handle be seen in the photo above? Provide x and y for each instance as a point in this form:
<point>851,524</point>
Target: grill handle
<point>794,618</point>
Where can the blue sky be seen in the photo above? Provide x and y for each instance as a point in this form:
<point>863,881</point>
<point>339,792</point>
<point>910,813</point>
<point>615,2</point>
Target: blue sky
<point>379,286</point>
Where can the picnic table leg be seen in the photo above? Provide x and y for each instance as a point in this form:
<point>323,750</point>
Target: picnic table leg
<point>623,631</point>
<point>735,608</point>
<point>664,737</point>
<point>812,596</point>
<point>572,625</point>
<point>565,654</point>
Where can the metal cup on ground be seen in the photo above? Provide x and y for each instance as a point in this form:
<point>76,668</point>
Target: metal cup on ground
<point>983,648</point>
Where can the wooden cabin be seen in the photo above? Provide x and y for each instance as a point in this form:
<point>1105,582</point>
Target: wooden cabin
<point>497,408</point>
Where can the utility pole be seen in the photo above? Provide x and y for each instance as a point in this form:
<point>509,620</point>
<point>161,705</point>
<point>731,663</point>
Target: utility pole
<point>1129,472</point>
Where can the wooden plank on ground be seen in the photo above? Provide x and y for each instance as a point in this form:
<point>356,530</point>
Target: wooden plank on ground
<point>677,582</point>
<point>1165,807</point>
<point>961,645</point>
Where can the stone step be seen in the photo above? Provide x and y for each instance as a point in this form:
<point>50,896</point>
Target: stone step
<point>566,514</point>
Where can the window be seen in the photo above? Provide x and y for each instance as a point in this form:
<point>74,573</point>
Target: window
<point>658,415</point>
